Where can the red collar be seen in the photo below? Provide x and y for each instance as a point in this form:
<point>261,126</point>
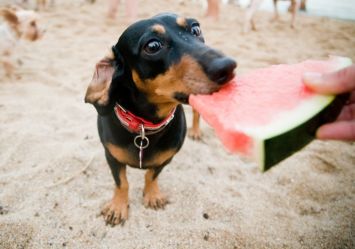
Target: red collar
<point>134,123</point>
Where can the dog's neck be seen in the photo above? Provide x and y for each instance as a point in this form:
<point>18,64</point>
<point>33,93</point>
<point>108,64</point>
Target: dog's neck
<point>11,32</point>
<point>135,124</point>
<point>8,40</point>
<point>138,103</point>
<point>142,108</point>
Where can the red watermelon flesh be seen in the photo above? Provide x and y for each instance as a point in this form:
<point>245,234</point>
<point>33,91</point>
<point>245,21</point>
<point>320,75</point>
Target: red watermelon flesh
<point>255,108</point>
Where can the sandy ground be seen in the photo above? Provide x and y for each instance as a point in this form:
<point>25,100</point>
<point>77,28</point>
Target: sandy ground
<point>53,174</point>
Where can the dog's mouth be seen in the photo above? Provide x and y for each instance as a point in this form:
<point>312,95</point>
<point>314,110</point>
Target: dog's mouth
<point>35,35</point>
<point>196,88</point>
<point>194,80</point>
<point>182,97</point>
<point>225,78</point>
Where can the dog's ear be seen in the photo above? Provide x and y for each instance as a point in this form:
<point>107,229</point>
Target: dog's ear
<point>9,16</point>
<point>98,92</point>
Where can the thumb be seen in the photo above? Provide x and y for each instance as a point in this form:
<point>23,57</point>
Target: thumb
<point>331,83</point>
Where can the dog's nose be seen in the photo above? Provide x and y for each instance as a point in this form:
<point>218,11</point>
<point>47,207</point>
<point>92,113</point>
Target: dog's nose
<point>221,70</point>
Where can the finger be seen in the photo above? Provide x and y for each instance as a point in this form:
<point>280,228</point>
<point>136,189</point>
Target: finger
<point>342,130</point>
<point>332,83</point>
<point>352,98</point>
<point>347,113</point>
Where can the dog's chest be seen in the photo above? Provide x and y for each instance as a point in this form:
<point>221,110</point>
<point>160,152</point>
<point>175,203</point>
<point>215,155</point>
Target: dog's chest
<point>7,39</point>
<point>131,157</point>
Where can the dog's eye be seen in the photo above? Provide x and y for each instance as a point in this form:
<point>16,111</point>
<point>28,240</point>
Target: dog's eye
<point>196,30</point>
<point>153,46</point>
<point>33,24</point>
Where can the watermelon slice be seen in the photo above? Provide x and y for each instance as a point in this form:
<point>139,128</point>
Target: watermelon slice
<point>268,114</point>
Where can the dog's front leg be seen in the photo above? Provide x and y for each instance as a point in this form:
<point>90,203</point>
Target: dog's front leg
<point>276,12</point>
<point>8,65</point>
<point>295,5</point>
<point>195,131</point>
<point>116,211</point>
<point>153,198</point>
<point>249,15</point>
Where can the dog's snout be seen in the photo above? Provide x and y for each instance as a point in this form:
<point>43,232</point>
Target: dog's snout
<point>221,70</point>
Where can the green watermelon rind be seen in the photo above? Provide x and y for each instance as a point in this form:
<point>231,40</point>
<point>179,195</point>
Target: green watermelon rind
<point>295,129</point>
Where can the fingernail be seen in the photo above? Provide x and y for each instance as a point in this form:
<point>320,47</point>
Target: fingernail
<point>312,78</point>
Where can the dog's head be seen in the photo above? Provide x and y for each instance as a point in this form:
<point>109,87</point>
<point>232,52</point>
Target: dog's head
<point>23,22</point>
<point>163,58</point>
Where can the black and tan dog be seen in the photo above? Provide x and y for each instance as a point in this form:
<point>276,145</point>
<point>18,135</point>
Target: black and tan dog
<point>138,90</point>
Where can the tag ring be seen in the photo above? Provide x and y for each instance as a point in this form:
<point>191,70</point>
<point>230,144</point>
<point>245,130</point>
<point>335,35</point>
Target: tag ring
<point>141,142</point>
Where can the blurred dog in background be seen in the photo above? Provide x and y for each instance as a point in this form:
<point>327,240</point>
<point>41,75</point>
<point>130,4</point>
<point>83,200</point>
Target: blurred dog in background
<point>255,4</point>
<point>40,4</point>
<point>18,25</point>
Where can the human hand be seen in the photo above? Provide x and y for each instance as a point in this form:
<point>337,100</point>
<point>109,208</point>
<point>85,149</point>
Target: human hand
<point>341,81</point>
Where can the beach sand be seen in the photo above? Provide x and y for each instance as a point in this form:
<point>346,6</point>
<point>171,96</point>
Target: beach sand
<point>54,178</point>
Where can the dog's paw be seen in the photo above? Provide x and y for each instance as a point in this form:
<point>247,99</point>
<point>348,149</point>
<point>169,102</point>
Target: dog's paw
<point>155,200</point>
<point>115,213</point>
<point>195,134</point>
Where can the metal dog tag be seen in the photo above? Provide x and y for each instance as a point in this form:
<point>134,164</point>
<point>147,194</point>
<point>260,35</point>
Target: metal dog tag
<point>141,142</point>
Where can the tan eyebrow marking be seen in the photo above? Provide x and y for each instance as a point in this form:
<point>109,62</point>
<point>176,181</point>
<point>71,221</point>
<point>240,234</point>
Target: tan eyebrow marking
<point>158,28</point>
<point>181,22</point>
